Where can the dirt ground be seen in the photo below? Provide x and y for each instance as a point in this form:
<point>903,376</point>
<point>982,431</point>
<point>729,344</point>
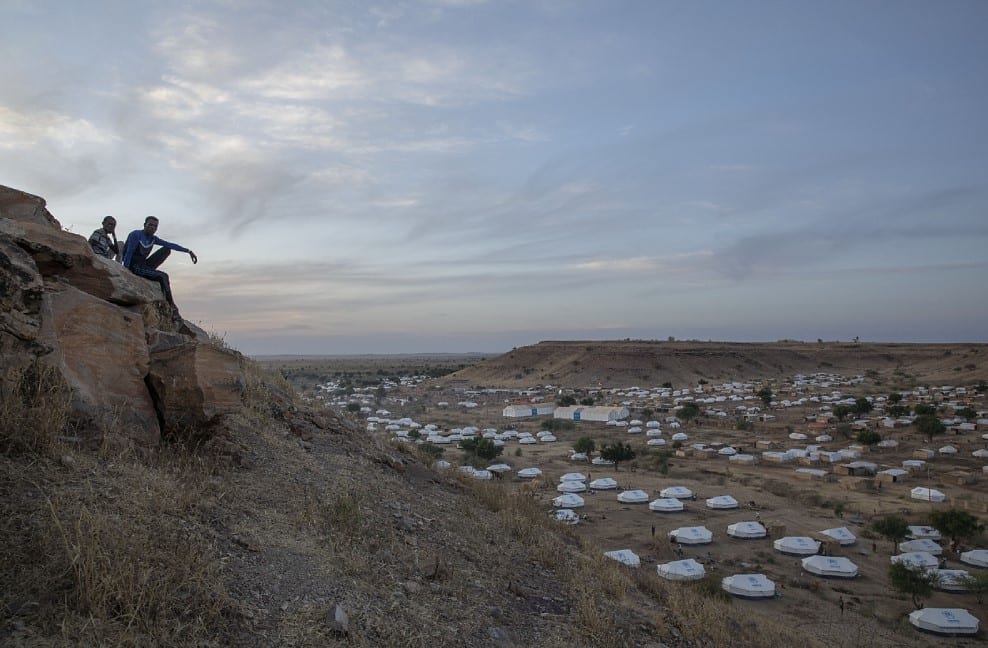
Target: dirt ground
<point>873,615</point>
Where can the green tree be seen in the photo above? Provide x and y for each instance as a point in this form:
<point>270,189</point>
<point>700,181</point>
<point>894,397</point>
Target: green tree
<point>861,405</point>
<point>617,452</point>
<point>585,445</point>
<point>481,448</point>
<point>891,527</point>
<point>894,398</point>
<point>766,395</point>
<point>431,450</point>
<point>688,412</point>
<point>744,424</point>
<point>977,584</point>
<point>566,401</point>
<point>956,524</point>
<point>353,407</point>
<point>841,411</point>
<point>966,413</point>
<point>869,437</point>
<point>917,582</point>
<point>647,413</point>
<point>929,425</point>
<point>896,411</point>
<point>922,409</point>
<point>586,401</point>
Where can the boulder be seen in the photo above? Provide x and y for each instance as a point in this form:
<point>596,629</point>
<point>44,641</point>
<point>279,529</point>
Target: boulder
<point>21,290</point>
<point>21,206</point>
<point>100,350</point>
<point>194,384</point>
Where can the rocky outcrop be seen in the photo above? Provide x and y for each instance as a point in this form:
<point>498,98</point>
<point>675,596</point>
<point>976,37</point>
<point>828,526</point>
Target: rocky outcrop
<point>133,372</point>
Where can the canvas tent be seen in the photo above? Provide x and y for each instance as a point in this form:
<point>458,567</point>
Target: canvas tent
<point>681,570</point>
<point>754,586</point>
<point>574,476</point>
<point>830,566</point>
<point>944,621</point>
<point>746,530</point>
<point>924,544</point>
<point>666,505</point>
<point>927,494</point>
<point>679,492</point>
<point>692,535</point>
<point>529,473</point>
<point>566,516</point>
<point>952,580</point>
<point>625,557</point>
<point>569,500</point>
<point>975,558</point>
<point>915,559</point>
<point>797,546</point>
<point>918,532</point>
<point>633,497</point>
<point>571,487</point>
<point>842,535</point>
<point>722,502</point>
<point>604,483</point>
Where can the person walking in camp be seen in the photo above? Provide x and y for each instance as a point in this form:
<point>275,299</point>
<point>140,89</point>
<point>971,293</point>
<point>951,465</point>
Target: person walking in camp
<point>137,257</point>
<point>104,240</point>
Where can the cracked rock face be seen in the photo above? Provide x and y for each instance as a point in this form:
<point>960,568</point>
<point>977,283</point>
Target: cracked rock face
<point>132,371</point>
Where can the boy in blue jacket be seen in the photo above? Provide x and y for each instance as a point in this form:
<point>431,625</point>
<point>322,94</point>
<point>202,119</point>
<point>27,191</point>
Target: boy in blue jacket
<point>138,259</point>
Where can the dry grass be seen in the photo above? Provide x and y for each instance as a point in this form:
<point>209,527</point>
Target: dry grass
<point>34,410</point>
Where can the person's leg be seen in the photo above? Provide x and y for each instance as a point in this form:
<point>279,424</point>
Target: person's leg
<point>157,258</point>
<point>160,277</point>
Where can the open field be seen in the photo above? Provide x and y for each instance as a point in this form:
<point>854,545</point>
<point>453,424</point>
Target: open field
<point>785,502</point>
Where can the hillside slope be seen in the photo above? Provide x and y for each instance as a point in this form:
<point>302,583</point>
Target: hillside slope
<point>586,364</point>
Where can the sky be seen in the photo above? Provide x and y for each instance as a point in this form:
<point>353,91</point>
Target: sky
<point>472,176</point>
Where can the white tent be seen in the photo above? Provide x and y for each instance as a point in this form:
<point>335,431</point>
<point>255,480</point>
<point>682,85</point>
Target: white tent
<point>604,483</point>
<point>727,451</point>
<point>924,544</point>
<point>680,436</point>
<point>573,477</point>
<point>749,586</point>
<point>529,473</point>
<point>797,546</point>
<point>692,535</point>
<point>918,532</point>
<point>442,464</point>
<point>600,461</point>
<point>499,468</point>
<point>666,505</point>
<point>655,442</point>
<point>482,474</point>
<point>916,559</point>
<point>842,535</point>
<point>569,500</point>
<point>679,492</point>
<point>566,516</point>
<point>944,621</point>
<point>746,530</point>
<point>625,557</point>
<point>927,494</point>
<point>571,487</point>
<point>681,570</point>
<point>633,497</point>
<point>722,502</point>
<point>952,580</point>
<point>830,566</point>
<point>578,456</point>
<point>975,557</point>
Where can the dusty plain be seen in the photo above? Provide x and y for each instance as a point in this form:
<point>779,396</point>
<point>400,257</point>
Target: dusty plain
<point>784,501</point>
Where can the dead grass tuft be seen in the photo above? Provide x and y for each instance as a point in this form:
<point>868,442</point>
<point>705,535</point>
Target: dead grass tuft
<point>35,403</point>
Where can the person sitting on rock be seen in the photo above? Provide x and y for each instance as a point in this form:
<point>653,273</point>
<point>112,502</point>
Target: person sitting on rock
<point>138,259</point>
<point>104,241</point>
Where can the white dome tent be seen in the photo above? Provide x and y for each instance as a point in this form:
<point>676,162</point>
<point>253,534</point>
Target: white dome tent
<point>952,580</point>
<point>830,566</point>
<point>604,483</point>
<point>681,570</point>
<point>722,503</point>
<point>918,532</point>
<point>625,557</point>
<point>566,516</point>
<point>944,621</point>
<point>746,530</point>
<point>924,544</point>
<point>574,476</point>
<point>692,535</point>
<point>975,558</point>
<point>571,487</point>
<point>633,497</point>
<point>666,505</point>
<point>927,494</point>
<point>753,586</point>
<point>842,535</point>
<point>916,559</point>
<point>797,546</point>
<point>678,492</point>
<point>568,500</point>
<point>529,473</point>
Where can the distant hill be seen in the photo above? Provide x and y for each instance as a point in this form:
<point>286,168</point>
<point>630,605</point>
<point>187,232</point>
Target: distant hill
<point>582,364</point>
